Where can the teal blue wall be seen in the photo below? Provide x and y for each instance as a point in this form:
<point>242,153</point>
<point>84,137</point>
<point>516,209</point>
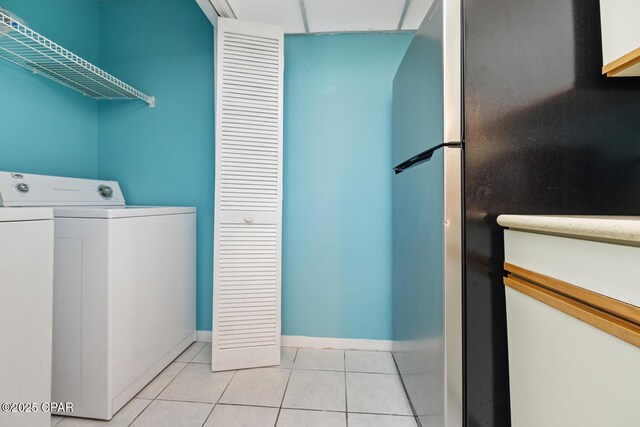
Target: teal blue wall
<point>162,155</point>
<point>337,189</point>
<point>337,178</point>
<point>47,128</point>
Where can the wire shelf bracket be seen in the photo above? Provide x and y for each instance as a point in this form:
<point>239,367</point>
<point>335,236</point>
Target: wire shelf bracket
<point>28,49</point>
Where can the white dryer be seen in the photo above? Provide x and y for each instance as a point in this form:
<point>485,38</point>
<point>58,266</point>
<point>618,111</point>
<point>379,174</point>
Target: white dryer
<point>124,295</point>
<point>26,284</point>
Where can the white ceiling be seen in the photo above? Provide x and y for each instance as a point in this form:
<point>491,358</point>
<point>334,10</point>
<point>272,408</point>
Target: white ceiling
<point>416,12</point>
<point>285,13</point>
<point>330,16</point>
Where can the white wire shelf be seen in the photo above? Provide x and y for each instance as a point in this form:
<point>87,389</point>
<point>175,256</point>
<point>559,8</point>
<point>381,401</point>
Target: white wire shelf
<point>26,48</point>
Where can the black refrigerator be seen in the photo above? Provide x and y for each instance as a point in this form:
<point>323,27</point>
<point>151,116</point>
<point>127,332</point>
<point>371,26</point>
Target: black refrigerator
<point>542,131</point>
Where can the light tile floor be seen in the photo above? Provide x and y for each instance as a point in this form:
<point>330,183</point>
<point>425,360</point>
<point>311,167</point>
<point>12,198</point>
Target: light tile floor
<point>310,388</point>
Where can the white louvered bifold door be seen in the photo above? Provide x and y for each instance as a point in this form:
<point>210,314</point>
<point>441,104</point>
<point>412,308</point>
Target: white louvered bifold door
<point>248,201</point>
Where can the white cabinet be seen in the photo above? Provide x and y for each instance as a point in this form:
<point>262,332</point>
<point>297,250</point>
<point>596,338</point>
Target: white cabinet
<point>573,321</point>
<point>620,37</point>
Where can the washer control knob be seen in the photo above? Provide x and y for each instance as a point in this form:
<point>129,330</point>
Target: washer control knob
<point>105,191</point>
<point>23,187</point>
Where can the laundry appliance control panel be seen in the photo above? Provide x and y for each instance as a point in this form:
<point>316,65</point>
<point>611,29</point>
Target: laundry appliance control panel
<point>21,189</point>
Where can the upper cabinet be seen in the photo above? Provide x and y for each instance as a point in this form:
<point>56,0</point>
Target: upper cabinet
<point>620,37</point>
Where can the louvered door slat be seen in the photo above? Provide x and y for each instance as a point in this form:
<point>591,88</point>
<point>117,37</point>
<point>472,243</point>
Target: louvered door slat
<point>248,212</point>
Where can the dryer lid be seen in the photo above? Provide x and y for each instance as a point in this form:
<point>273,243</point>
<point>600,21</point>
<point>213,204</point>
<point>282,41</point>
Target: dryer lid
<point>21,189</point>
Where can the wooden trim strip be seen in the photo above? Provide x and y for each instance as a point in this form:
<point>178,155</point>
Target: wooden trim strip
<point>612,306</point>
<point>629,60</point>
<point>627,331</point>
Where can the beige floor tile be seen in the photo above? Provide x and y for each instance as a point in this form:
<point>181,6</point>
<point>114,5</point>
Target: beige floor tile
<point>322,390</point>
<point>376,394</point>
<point>431,420</point>
<point>370,420</point>
<point>196,383</point>
<point>319,359</point>
<point>257,387</point>
<point>153,389</point>
<point>287,356</point>
<point>379,362</point>
<point>204,356</point>
<point>123,418</point>
<point>242,416</point>
<point>191,352</point>
<point>161,413</point>
<point>300,418</point>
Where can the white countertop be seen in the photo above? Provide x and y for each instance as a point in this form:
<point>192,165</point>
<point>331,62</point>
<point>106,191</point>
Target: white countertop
<point>621,228</point>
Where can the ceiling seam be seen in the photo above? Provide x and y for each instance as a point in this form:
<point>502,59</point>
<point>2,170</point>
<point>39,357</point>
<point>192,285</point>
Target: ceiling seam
<point>222,5</point>
<point>233,12</point>
<point>404,14</point>
<point>303,11</point>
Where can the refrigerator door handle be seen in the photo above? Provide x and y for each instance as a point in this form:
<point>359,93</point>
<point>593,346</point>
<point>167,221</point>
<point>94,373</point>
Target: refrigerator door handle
<point>425,156</point>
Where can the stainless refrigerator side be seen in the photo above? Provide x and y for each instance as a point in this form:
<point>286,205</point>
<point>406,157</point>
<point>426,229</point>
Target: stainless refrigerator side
<point>427,218</point>
<point>453,286</point>
<point>427,286</point>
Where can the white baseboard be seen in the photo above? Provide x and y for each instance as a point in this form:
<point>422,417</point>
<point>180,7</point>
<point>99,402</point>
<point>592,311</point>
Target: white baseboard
<point>205,336</point>
<point>336,343</point>
<point>321,342</point>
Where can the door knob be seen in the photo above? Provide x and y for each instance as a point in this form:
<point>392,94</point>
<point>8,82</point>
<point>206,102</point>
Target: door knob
<point>248,219</point>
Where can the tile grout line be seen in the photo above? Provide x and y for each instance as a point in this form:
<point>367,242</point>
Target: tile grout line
<point>295,357</point>
<point>171,382</point>
<point>138,416</point>
<point>227,386</point>
<point>209,415</point>
<point>286,386</point>
<point>346,400</point>
<point>331,411</point>
<point>280,408</point>
<point>219,404</point>
<point>163,389</point>
<point>198,353</point>
<point>219,397</point>
<point>372,373</point>
<point>328,411</point>
<point>242,405</point>
<point>194,356</point>
<point>404,387</point>
<point>383,414</point>
<point>188,401</point>
<point>335,370</point>
<point>172,379</point>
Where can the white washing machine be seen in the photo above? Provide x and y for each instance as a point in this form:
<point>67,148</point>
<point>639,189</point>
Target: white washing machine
<point>26,284</point>
<point>124,294</point>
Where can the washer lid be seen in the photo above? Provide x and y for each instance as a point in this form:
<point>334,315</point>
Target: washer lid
<point>119,212</point>
<point>25,214</point>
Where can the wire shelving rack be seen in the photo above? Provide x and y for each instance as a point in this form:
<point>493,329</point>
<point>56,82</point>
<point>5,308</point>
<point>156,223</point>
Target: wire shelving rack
<point>28,49</point>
